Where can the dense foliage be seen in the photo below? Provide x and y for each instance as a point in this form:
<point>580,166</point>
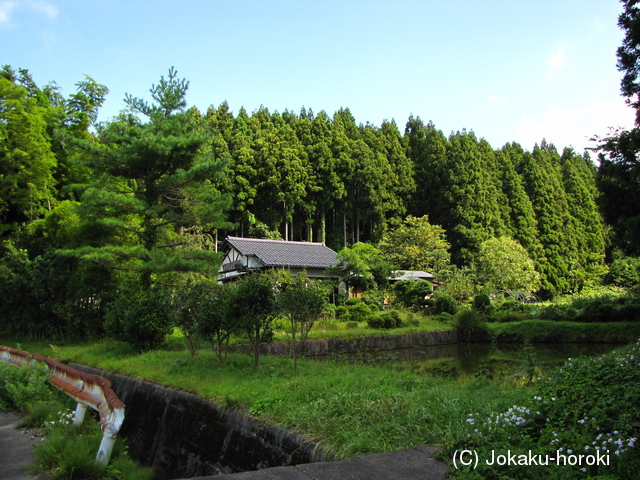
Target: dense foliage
<point>147,196</point>
<point>586,410</point>
<point>66,450</point>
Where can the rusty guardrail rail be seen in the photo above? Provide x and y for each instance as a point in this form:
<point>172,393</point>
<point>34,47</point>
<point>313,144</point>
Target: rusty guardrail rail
<point>88,390</point>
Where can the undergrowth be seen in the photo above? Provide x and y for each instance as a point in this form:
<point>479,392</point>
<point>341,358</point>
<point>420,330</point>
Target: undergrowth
<point>68,452</point>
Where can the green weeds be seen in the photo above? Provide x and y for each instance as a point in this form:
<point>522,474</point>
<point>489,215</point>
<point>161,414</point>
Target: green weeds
<point>589,407</point>
<point>67,452</point>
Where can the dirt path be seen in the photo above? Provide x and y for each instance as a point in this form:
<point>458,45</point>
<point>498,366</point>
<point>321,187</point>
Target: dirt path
<point>16,447</point>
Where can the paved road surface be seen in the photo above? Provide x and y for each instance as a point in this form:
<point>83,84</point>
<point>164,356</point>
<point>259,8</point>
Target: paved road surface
<point>16,448</point>
<point>415,463</point>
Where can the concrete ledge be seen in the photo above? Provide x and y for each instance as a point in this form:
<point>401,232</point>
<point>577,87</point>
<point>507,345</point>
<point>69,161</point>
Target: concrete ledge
<point>410,464</point>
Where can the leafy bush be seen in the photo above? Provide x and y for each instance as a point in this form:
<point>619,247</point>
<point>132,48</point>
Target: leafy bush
<point>140,318</point>
<point>359,312</point>
<point>22,386</point>
<point>444,303</point>
<point>624,272</point>
<point>375,321</point>
<point>412,292</point>
<point>481,302</point>
<point>599,309</point>
<point>471,325</point>
<point>444,317</point>
<point>341,313</point>
<point>353,301</point>
<point>387,320</point>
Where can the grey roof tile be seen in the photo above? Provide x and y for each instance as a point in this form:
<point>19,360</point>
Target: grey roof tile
<point>275,253</point>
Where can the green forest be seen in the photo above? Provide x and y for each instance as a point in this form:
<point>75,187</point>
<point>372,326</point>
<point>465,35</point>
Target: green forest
<point>89,208</point>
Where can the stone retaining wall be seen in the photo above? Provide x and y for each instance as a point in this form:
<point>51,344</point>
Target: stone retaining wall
<point>180,434</point>
<point>363,344</point>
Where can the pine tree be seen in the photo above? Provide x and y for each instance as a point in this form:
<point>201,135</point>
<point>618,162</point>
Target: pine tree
<point>152,183</point>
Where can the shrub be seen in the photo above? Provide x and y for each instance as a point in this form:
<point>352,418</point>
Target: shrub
<point>624,272</point>
<point>471,325</point>
<point>352,325</point>
<point>412,292</point>
<point>20,387</point>
<point>359,312</point>
<point>342,313</point>
<point>481,302</point>
<point>444,317</point>
<point>375,321</point>
<point>386,320</point>
<point>444,303</point>
<point>353,301</point>
<point>140,318</point>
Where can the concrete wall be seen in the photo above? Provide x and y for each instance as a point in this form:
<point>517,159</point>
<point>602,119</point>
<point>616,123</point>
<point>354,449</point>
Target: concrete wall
<point>364,344</point>
<point>182,435</point>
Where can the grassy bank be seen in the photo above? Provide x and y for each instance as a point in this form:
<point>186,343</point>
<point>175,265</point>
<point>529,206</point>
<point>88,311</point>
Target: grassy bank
<point>350,409</point>
<point>550,331</point>
<point>355,409</point>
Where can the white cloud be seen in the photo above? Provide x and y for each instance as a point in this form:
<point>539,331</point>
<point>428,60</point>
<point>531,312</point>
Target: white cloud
<point>566,126</point>
<point>45,8</point>
<point>6,9</point>
<point>556,62</point>
<point>496,99</point>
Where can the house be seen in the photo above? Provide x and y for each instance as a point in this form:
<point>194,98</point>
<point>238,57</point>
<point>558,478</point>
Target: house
<point>243,255</point>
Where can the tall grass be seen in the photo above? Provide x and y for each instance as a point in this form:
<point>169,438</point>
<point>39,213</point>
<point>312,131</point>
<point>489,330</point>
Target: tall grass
<point>351,409</point>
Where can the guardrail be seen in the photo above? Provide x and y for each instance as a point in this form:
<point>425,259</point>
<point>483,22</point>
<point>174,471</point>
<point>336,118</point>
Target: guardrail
<point>88,390</point>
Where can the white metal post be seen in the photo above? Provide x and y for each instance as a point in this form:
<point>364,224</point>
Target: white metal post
<point>78,418</point>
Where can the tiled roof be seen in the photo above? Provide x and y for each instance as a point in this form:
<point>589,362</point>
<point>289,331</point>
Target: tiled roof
<point>412,275</point>
<point>276,253</point>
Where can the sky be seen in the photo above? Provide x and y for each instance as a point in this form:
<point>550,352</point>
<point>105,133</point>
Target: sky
<point>510,70</point>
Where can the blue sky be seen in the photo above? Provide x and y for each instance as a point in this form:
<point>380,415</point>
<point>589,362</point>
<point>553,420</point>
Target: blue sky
<point>510,70</point>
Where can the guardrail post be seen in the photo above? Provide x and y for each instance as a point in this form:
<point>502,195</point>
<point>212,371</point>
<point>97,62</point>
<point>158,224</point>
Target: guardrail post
<point>88,390</point>
<point>78,418</point>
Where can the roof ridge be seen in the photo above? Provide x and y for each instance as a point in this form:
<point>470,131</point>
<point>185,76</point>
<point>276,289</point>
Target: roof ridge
<point>275,241</point>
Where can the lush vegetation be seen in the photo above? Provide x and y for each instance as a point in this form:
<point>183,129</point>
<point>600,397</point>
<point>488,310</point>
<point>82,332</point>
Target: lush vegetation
<point>585,405</point>
<point>588,407</point>
<point>109,231</point>
<point>91,213</point>
<point>67,451</point>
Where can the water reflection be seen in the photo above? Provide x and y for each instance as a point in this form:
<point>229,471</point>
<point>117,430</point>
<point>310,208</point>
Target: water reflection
<point>480,360</point>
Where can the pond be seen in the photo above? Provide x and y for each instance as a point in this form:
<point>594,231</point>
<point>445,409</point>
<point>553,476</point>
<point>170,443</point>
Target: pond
<point>491,361</point>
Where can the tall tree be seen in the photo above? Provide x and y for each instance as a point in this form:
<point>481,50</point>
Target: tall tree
<point>578,175</point>
<point>522,220</point>
<point>27,162</point>
<point>619,172</point>
<point>543,181</point>
<point>152,183</point>
<point>417,245</point>
<point>427,149</point>
<point>471,196</point>
<point>505,264</point>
